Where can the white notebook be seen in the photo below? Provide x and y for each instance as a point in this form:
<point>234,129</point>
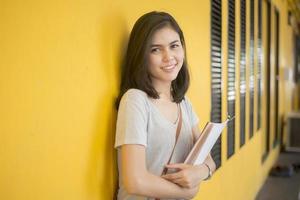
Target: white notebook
<point>205,142</point>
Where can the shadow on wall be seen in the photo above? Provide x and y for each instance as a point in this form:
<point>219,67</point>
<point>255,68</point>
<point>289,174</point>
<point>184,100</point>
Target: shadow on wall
<point>102,175</point>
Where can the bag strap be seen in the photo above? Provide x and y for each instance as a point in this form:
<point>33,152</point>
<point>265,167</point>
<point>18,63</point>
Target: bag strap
<point>176,139</point>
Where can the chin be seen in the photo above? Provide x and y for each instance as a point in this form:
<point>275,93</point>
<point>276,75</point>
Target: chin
<point>170,79</point>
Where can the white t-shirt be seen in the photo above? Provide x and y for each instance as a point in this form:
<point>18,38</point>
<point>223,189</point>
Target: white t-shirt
<point>140,122</point>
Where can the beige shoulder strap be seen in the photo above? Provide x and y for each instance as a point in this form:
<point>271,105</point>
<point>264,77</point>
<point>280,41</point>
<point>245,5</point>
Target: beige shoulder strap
<point>176,139</point>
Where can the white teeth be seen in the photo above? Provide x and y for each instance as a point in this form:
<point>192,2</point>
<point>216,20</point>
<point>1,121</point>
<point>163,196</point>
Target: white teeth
<point>169,67</point>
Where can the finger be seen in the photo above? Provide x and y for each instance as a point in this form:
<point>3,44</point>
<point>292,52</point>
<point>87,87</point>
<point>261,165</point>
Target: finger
<point>171,176</point>
<point>177,166</point>
<point>181,182</point>
<point>184,184</point>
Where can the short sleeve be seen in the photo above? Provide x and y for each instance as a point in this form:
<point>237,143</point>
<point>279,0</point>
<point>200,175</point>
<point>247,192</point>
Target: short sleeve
<point>132,119</point>
<point>192,114</point>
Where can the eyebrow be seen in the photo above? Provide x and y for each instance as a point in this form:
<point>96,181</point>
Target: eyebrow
<point>159,45</point>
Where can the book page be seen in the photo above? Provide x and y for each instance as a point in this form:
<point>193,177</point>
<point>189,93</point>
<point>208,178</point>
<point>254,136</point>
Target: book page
<point>204,144</point>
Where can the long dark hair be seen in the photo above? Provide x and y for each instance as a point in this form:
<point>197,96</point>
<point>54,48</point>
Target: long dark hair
<point>135,72</point>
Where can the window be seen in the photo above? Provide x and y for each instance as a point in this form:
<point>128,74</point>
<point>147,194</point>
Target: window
<point>251,81</point>
<point>242,72</point>
<point>231,78</point>
<point>216,72</point>
<point>259,63</point>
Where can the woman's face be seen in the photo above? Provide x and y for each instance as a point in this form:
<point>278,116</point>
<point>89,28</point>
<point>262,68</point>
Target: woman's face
<point>166,55</point>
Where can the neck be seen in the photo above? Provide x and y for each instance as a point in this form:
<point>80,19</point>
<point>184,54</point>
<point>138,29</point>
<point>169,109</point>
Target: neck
<point>164,91</point>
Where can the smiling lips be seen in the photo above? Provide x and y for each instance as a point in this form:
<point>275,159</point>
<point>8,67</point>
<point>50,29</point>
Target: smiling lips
<point>169,68</point>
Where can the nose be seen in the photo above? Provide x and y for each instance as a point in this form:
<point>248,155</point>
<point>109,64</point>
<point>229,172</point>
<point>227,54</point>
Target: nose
<point>167,56</point>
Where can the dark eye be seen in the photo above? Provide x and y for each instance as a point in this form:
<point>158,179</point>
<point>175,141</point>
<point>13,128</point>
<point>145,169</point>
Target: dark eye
<point>173,46</point>
<point>154,50</point>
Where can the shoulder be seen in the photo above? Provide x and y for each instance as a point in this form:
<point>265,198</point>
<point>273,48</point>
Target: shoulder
<point>135,93</point>
<point>134,96</point>
<point>187,105</point>
<point>186,102</point>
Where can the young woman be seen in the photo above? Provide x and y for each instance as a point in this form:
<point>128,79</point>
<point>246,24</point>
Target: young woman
<point>151,107</point>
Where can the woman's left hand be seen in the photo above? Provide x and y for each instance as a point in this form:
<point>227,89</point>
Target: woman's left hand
<point>188,176</point>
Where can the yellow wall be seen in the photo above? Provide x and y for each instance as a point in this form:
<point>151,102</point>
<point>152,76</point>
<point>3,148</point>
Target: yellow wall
<point>59,76</point>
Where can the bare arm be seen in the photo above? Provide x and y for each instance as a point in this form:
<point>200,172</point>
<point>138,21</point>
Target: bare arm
<point>138,181</point>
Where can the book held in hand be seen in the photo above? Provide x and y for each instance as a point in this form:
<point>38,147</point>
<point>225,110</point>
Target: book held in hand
<point>205,142</point>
